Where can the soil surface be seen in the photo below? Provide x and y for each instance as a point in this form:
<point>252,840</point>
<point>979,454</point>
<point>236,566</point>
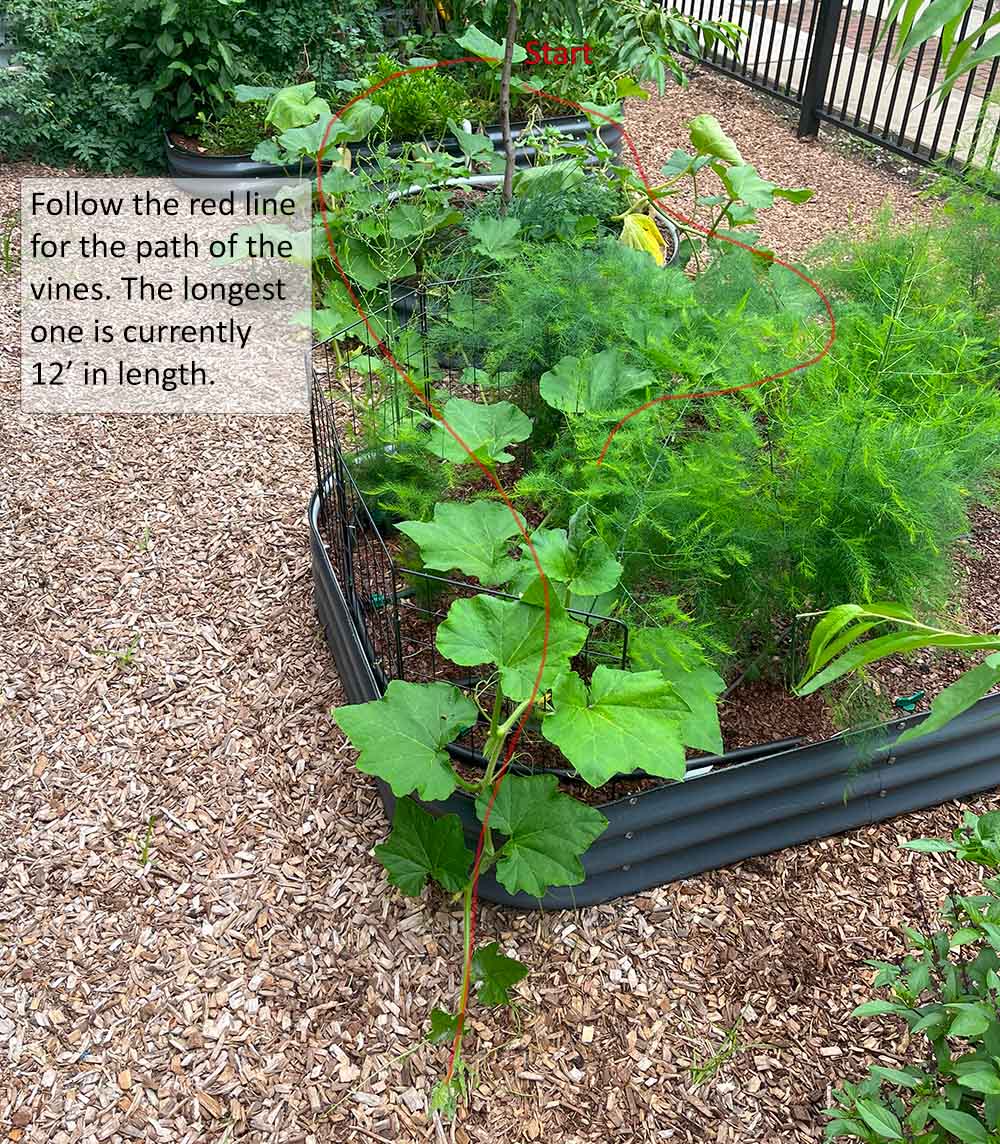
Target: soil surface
<point>196,944</point>
<point>190,143</point>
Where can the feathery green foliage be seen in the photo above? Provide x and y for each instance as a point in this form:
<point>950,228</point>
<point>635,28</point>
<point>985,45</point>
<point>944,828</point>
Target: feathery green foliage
<point>850,480</point>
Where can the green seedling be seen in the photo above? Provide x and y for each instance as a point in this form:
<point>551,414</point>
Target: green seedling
<point>147,841</point>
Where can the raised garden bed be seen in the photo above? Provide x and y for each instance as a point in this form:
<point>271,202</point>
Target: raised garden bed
<point>731,807</point>
<point>184,161</point>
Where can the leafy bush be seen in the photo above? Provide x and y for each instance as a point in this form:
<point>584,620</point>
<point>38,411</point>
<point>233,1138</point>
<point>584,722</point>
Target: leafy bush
<point>850,480</point>
<point>946,991</point>
<point>70,101</point>
<point>419,105</point>
<point>182,54</point>
<point>284,40</point>
<point>97,80</point>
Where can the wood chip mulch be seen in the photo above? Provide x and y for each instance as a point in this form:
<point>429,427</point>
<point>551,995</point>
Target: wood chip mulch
<point>196,945</point>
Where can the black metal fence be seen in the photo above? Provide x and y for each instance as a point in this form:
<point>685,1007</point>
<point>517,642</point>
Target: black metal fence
<point>826,58</point>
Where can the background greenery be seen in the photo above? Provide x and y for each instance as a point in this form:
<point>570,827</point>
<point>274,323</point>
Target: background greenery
<point>98,79</point>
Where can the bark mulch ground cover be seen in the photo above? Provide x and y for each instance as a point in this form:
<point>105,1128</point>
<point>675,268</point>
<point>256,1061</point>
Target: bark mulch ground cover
<point>195,943</point>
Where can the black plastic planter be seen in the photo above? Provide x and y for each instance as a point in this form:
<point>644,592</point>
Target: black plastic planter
<point>731,807</point>
<point>184,163</point>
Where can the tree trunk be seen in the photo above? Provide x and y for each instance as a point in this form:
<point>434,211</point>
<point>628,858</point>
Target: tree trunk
<point>508,142</point>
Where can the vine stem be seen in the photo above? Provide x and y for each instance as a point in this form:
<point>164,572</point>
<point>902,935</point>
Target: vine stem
<point>466,974</point>
<point>508,142</point>
<point>495,740</point>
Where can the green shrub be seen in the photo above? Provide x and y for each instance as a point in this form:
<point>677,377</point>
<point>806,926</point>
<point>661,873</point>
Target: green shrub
<point>70,101</point>
<point>946,992</point>
<point>849,480</point>
<point>287,40</point>
<point>419,105</point>
<point>98,80</point>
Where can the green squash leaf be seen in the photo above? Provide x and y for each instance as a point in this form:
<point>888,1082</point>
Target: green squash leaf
<point>743,183</point>
<point>626,87</point>
<point>628,720</point>
<point>510,634</point>
<point>495,974</point>
<point>268,151</point>
<point>597,383</point>
<point>546,832</point>
<point>444,1027</point>
<point>474,147</point>
<point>576,556</point>
<point>401,737</point>
<point>295,106</point>
<point>422,846</point>
<point>477,43</point>
<point>496,238</point>
<point>355,123</point>
<point>708,138</point>
<point>659,649</point>
<point>487,429</point>
<point>473,537</point>
<point>604,112</point>
<point>794,194</point>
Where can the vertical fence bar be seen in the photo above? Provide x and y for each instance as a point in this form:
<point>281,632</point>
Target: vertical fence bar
<point>886,56</point>
<point>819,66</point>
<point>984,107</point>
<point>795,47</point>
<point>768,62</point>
<point>859,49</point>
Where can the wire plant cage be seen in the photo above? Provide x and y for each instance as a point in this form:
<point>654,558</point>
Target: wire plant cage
<point>362,406</point>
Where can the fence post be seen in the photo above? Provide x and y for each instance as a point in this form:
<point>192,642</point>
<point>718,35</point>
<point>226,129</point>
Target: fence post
<point>818,73</point>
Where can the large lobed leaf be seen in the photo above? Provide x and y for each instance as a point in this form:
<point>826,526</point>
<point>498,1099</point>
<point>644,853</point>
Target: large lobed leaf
<point>295,106</point>
<point>486,430</point>
<point>546,832</point>
<point>495,974</point>
<point>477,43</point>
<point>708,138</point>
<point>576,557</point>
<point>422,846</point>
<point>401,737</point>
<point>496,238</point>
<point>474,538</point>
<point>596,383</point>
<point>511,635</point>
<point>656,649</point>
<point>626,720</point>
<point>746,185</point>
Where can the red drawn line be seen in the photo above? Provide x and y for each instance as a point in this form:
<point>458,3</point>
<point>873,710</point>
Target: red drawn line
<point>437,415</point>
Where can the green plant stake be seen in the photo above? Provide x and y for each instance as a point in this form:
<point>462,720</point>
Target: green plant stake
<point>909,702</point>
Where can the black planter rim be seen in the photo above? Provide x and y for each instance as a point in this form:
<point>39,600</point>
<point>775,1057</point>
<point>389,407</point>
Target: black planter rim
<point>571,121</point>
